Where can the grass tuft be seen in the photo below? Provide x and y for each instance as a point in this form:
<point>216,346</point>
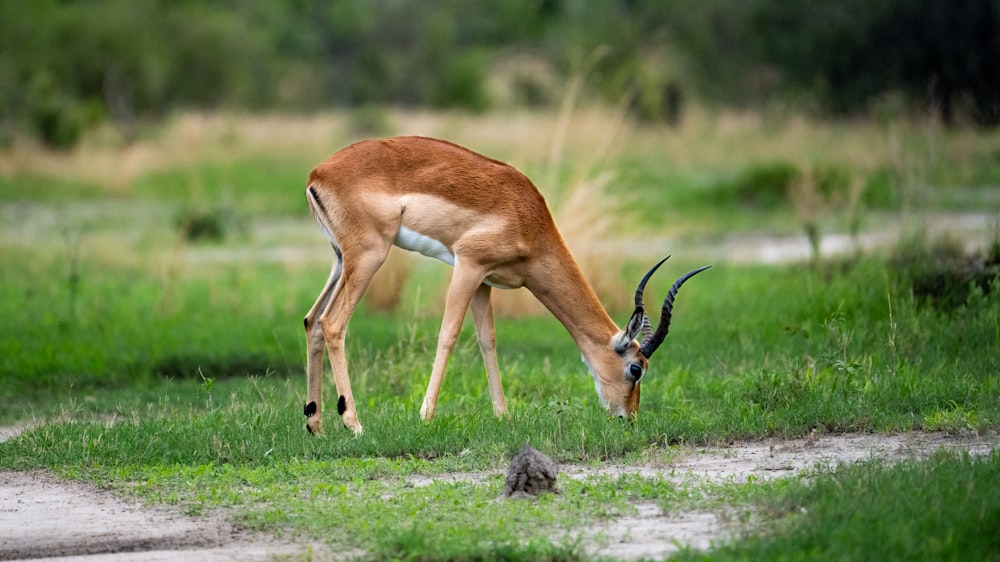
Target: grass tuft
<point>869,511</point>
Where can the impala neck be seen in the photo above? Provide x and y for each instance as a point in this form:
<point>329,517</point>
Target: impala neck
<point>567,294</point>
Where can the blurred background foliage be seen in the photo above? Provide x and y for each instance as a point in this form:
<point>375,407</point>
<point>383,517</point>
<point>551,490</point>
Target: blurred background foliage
<point>68,64</point>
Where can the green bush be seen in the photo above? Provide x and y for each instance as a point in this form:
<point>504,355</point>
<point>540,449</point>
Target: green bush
<point>880,191</point>
<point>765,185</point>
<point>833,182</point>
<point>461,83</point>
<point>57,118</point>
<point>941,274</point>
<point>208,224</point>
<point>56,125</point>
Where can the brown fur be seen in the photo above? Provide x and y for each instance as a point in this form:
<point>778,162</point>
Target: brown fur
<point>495,223</point>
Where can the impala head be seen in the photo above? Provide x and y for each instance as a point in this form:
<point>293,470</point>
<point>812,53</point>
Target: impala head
<point>622,369</point>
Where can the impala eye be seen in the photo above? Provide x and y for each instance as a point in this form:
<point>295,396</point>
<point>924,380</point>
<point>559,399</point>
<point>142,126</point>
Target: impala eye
<point>635,371</point>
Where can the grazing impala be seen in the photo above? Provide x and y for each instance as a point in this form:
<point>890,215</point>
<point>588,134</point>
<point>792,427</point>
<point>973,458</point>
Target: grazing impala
<point>489,222</point>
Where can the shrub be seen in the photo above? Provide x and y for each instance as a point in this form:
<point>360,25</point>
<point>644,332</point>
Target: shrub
<point>461,82</point>
<point>941,274</point>
<point>208,224</point>
<point>765,185</point>
<point>880,191</point>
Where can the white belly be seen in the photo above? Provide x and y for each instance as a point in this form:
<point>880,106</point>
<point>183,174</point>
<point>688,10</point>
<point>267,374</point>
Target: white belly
<point>415,242</point>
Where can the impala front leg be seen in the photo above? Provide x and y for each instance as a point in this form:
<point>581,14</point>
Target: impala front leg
<point>482,314</point>
<point>464,283</point>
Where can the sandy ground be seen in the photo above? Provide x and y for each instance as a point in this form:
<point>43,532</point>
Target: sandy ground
<point>42,517</point>
<point>47,518</point>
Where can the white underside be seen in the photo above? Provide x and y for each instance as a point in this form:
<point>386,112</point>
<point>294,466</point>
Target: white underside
<point>415,242</point>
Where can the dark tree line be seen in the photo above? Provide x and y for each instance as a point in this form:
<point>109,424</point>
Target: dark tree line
<point>67,63</point>
<point>938,53</point>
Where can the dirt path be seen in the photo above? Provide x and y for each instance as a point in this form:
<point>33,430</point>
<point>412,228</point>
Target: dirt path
<point>48,518</point>
<point>44,517</point>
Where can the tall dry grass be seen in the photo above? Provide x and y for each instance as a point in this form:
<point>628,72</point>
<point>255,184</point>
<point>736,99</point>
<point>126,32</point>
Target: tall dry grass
<point>575,155</point>
<point>385,293</point>
<point>586,209</point>
<point>705,140</point>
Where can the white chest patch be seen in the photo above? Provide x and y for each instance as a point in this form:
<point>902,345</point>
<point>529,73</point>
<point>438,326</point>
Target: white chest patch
<point>414,241</point>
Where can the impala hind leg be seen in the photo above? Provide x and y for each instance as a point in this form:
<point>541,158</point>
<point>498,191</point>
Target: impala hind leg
<point>482,314</point>
<point>464,283</point>
<point>357,273</point>
<point>315,346</point>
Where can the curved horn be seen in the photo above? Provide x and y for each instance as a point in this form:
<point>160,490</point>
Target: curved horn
<point>645,278</point>
<point>649,347</point>
<point>647,328</point>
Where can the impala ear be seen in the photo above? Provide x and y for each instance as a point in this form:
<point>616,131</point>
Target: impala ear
<point>624,338</point>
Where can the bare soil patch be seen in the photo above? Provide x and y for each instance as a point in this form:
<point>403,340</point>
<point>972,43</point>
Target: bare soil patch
<point>44,517</point>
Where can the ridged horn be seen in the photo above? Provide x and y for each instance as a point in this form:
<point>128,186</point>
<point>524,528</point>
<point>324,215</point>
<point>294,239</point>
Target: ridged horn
<point>650,346</point>
<point>647,327</point>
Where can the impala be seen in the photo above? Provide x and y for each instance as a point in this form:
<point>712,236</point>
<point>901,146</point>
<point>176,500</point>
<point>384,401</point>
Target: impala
<point>489,222</point>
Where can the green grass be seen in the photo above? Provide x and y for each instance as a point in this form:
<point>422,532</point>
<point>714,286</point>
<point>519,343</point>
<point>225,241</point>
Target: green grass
<point>784,350</point>
<point>754,352</point>
<point>42,188</point>
<point>245,456</point>
<point>147,365</point>
<point>259,186</point>
<point>870,511</point>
